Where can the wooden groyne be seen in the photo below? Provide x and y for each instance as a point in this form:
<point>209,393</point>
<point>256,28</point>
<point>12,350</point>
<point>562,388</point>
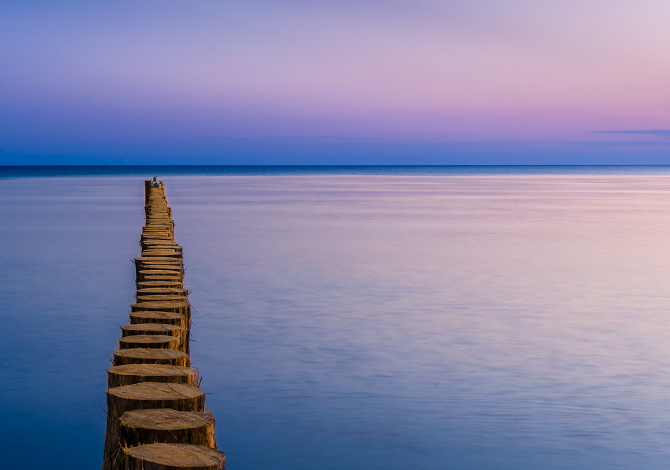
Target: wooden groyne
<point>156,417</point>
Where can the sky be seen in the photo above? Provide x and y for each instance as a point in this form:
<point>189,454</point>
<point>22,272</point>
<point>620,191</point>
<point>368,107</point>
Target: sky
<point>335,82</point>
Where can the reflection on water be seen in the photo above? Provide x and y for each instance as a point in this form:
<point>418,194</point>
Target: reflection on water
<point>359,321</point>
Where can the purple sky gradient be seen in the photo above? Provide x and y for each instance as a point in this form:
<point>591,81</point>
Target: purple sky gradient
<point>294,81</point>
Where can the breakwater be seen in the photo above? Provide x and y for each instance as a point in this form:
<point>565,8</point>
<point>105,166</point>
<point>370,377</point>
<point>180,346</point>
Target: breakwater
<point>156,417</point>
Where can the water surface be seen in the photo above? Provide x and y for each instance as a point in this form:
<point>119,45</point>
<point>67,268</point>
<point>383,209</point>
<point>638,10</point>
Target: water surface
<point>485,321</point>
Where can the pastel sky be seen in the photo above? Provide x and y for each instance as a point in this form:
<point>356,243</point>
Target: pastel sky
<point>335,81</point>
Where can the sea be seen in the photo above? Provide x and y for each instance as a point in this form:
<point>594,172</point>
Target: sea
<point>355,317</point>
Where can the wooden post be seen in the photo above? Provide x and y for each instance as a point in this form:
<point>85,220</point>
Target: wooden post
<point>169,426</point>
<point>167,318</point>
<point>173,457</point>
<point>129,374</point>
<point>151,356</point>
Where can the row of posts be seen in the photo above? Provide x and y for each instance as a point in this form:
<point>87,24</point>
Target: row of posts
<point>156,417</point>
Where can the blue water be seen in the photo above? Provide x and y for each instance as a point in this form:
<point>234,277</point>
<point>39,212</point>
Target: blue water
<point>404,170</point>
<point>488,319</point>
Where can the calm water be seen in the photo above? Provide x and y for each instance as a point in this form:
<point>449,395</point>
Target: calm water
<point>486,321</point>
